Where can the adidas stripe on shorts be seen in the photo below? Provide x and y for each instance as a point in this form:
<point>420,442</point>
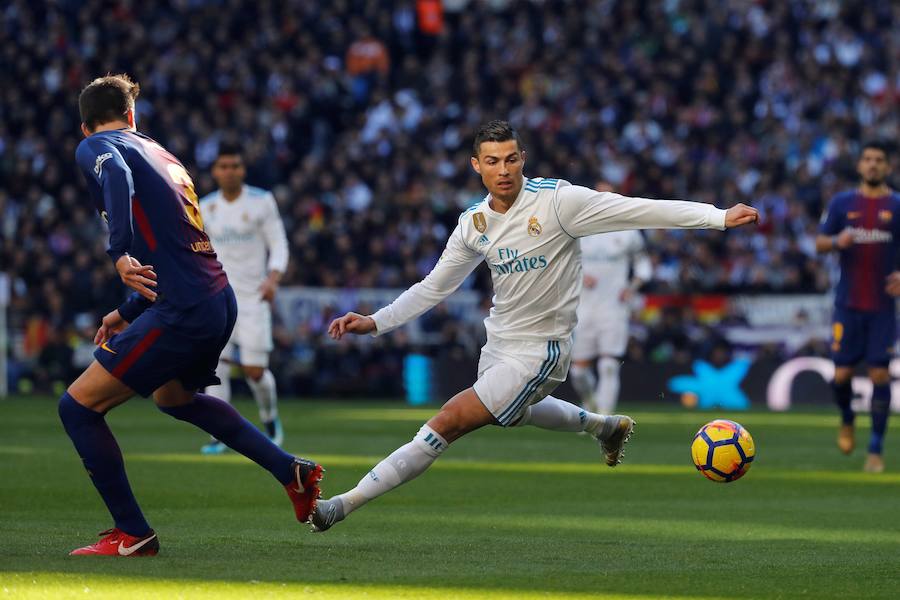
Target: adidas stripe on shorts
<point>514,375</point>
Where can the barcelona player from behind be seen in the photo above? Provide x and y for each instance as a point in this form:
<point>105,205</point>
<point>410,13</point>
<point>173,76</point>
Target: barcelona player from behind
<point>165,339</point>
<point>863,225</point>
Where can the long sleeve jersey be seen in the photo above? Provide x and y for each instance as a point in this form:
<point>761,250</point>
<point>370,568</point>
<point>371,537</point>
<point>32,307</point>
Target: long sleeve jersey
<point>248,235</point>
<point>534,255</point>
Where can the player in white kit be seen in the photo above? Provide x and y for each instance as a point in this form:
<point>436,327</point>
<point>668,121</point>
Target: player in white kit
<point>601,335</point>
<point>246,231</point>
<point>527,231</point>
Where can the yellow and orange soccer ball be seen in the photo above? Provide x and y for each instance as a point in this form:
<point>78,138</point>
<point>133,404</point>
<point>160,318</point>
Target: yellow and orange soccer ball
<point>723,451</point>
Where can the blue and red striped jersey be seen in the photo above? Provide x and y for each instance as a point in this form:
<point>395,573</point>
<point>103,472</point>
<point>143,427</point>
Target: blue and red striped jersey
<point>875,224</point>
<point>148,200</point>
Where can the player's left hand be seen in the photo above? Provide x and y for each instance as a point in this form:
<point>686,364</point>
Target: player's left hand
<point>893,284</point>
<point>268,287</point>
<point>112,324</point>
<point>740,214</point>
<point>136,276</point>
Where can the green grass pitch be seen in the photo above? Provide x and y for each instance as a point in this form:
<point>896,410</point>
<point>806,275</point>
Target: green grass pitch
<point>503,514</point>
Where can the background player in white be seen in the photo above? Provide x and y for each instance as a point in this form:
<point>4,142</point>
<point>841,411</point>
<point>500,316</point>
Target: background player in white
<point>527,231</point>
<point>604,312</point>
<point>245,228</point>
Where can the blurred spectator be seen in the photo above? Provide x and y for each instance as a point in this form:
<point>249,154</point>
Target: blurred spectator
<point>359,114</point>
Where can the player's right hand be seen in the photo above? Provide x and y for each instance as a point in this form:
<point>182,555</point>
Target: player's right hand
<point>112,324</point>
<point>844,239</point>
<point>893,284</point>
<point>136,276</point>
<point>351,323</point>
<point>740,214</point>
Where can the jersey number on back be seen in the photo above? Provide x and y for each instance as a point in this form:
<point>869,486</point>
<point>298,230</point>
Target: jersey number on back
<point>192,206</point>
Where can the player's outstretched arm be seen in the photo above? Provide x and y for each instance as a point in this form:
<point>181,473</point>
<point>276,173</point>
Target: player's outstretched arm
<point>351,323</point>
<point>455,264</point>
<point>583,211</point>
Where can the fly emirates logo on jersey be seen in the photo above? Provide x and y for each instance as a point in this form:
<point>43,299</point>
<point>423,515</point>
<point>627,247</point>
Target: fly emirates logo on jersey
<point>511,262</point>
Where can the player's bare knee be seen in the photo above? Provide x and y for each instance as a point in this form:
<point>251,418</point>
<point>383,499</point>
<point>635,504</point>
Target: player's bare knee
<point>97,390</point>
<point>843,375</point>
<point>254,373</point>
<point>447,423</point>
<point>880,375</point>
<point>460,415</point>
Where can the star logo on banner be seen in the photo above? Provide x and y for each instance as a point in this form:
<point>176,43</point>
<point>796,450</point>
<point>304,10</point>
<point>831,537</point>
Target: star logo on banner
<point>715,387</point>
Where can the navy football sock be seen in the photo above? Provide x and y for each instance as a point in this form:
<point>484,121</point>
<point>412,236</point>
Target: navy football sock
<point>843,394</point>
<point>102,458</point>
<point>223,422</point>
<point>881,406</point>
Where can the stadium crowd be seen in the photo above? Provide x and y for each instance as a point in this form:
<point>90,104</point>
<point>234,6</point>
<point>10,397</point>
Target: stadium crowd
<point>359,115</point>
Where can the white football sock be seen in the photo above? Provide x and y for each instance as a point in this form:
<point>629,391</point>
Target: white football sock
<point>559,415</point>
<point>223,390</point>
<point>405,463</point>
<point>607,394</point>
<point>584,381</point>
<point>266,396</point>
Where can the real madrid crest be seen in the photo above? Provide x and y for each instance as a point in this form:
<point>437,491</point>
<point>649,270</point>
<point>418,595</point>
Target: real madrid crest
<point>479,221</point>
<point>534,228</point>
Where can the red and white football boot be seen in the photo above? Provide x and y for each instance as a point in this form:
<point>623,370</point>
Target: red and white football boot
<point>118,543</point>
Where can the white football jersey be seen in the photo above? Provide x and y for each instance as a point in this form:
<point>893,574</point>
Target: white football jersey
<point>534,255</point>
<point>608,258</point>
<point>243,233</point>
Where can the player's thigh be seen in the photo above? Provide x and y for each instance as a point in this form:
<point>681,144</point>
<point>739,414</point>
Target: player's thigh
<point>516,377</point>
<point>253,359</point>
<point>585,343</point>
<point>145,355</point>
<point>253,329</point>
<point>98,390</point>
<point>463,413</point>
<point>212,324</point>
<point>613,338</point>
<point>848,337</point>
<point>881,341</point>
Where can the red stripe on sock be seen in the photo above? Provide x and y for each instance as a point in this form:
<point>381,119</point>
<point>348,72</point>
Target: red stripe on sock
<point>136,352</point>
<point>143,223</point>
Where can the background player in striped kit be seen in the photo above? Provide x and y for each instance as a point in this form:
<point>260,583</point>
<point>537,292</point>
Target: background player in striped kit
<point>864,226</point>
<point>246,230</point>
<point>604,311</point>
<point>527,231</point>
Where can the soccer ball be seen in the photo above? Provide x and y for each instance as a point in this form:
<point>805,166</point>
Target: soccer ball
<point>723,451</point>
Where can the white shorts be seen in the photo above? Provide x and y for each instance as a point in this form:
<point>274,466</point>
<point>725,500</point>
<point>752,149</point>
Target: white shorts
<point>593,339</point>
<point>514,375</point>
<point>252,335</point>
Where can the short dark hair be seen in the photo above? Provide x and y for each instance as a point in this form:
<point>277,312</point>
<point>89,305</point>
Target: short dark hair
<point>229,149</point>
<point>876,145</point>
<point>495,131</point>
<point>107,99</point>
